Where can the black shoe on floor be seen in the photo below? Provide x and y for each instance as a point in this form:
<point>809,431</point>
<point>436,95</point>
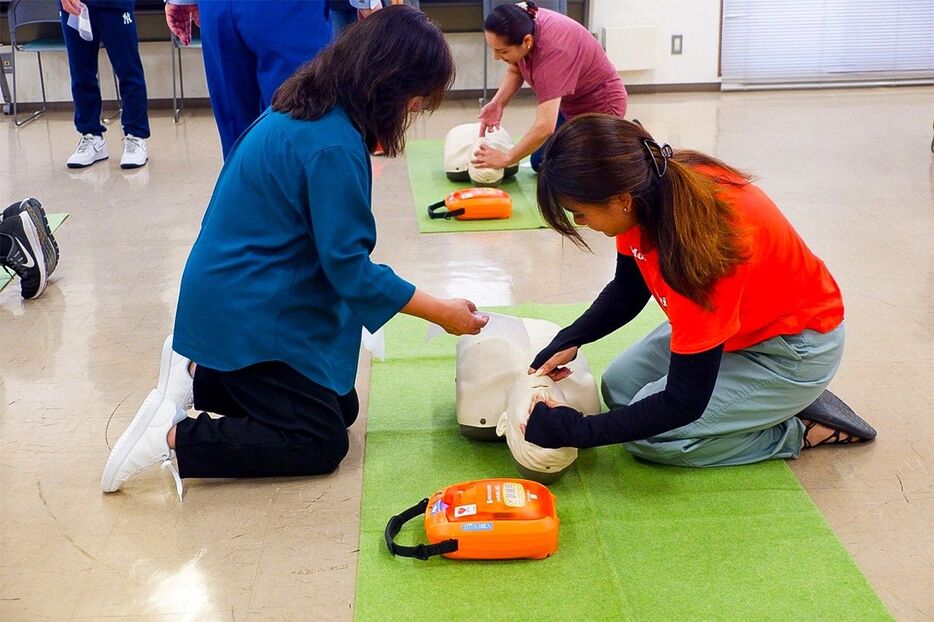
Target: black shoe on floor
<point>13,209</point>
<point>36,213</point>
<point>32,251</point>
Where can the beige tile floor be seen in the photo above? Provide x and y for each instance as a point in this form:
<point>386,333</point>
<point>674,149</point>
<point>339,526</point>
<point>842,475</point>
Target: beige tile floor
<point>851,168</point>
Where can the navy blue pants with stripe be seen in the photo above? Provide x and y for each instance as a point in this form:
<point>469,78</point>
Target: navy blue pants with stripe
<point>115,29</point>
<point>250,48</point>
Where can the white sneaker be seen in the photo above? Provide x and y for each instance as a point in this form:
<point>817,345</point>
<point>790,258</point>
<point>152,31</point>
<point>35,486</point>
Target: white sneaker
<point>90,149</point>
<point>175,382</point>
<point>135,153</point>
<point>144,444</point>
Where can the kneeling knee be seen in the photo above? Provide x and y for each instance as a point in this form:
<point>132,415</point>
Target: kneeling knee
<point>658,453</point>
<point>333,454</point>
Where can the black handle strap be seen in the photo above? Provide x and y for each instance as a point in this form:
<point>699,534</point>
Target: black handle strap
<point>433,213</point>
<point>420,551</point>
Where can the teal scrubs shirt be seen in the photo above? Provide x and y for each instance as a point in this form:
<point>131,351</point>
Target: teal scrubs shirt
<point>281,270</point>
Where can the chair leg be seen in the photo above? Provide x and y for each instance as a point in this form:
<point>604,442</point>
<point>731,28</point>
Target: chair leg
<point>181,81</point>
<point>485,61</point>
<point>174,80</point>
<point>17,122</point>
<point>178,81</point>
<point>113,116</point>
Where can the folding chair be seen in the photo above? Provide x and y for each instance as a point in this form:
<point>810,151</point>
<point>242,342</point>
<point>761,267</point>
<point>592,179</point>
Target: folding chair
<point>23,13</point>
<point>561,6</point>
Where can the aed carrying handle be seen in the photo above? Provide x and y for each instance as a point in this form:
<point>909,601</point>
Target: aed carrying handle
<point>420,551</point>
<point>448,215</point>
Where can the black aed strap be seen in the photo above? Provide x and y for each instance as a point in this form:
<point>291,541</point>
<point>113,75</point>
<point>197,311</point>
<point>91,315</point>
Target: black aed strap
<point>433,213</point>
<point>420,551</point>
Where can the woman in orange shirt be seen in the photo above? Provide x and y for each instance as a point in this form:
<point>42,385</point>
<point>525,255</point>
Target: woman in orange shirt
<point>755,320</point>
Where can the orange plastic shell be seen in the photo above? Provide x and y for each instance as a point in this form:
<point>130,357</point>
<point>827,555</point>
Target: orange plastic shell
<point>494,519</point>
<point>480,203</point>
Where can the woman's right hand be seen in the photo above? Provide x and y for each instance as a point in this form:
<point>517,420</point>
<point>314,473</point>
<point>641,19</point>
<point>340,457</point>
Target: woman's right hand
<point>553,367</point>
<point>179,17</point>
<point>459,317</point>
<point>455,315</point>
<point>490,117</point>
<point>72,7</point>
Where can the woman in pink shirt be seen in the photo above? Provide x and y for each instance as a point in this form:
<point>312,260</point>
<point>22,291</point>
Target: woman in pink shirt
<point>566,67</point>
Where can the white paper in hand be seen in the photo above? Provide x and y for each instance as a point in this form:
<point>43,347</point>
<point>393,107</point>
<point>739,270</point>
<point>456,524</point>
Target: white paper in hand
<point>82,23</point>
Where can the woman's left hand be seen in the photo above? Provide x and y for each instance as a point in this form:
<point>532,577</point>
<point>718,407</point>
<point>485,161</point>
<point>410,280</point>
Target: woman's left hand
<point>488,157</point>
<point>545,399</point>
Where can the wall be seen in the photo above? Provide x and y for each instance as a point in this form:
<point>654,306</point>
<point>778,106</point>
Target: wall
<point>698,21</point>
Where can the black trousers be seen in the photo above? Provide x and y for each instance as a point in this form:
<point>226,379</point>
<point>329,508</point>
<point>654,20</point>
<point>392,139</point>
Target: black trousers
<point>276,422</point>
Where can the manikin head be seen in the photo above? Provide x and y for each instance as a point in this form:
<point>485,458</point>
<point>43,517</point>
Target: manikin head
<point>536,463</point>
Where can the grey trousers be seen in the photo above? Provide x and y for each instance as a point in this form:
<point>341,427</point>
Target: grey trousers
<point>751,415</point>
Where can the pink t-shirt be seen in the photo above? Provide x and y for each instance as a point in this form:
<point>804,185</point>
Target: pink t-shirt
<point>566,61</point>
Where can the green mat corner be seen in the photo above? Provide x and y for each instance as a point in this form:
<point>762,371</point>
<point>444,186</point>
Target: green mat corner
<point>429,184</point>
<point>55,221</point>
<point>638,541</point>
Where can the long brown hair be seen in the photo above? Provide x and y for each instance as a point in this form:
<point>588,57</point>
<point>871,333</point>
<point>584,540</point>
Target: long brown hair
<point>373,70</point>
<point>596,157</point>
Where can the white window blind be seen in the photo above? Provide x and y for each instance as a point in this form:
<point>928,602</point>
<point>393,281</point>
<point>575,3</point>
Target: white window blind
<point>800,41</point>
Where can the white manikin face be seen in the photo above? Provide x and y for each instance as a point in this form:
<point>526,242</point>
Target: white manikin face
<point>526,390</point>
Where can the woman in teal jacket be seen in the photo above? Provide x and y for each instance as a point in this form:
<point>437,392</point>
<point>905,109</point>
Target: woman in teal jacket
<point>279,282</point>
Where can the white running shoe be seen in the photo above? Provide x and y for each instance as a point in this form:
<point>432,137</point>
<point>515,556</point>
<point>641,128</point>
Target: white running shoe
<point>135,153</point>
<point>90,149</point>
<point>144,444</point>
<point>175,382</point>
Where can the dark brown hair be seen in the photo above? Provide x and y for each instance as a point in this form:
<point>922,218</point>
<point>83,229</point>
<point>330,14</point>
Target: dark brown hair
<point>596,157</point>
<point>512,22</point>
<point>373,70</point>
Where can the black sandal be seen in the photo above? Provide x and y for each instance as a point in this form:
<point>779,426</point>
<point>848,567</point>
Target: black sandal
<point>839,437</point>
<point>830,411</point>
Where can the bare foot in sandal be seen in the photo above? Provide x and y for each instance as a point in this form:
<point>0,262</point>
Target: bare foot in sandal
<point>816,435</point>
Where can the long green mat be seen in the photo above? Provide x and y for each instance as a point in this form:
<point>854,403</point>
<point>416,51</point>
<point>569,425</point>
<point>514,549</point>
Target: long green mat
<point>638,541</point>
<point>425,160</point>
<point>55,221</point>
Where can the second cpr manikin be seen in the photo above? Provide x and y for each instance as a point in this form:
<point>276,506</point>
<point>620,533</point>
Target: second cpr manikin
<point>459,146</point>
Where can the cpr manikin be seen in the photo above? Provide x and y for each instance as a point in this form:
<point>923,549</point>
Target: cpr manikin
<point>533,462</point>
<point>459,146</point>
<point>492,373</point>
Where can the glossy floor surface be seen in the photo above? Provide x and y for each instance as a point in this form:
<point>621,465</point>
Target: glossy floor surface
<point>852,169</point>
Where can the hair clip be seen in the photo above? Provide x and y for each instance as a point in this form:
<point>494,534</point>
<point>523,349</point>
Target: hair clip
<point>528,7</point>
<point>666,152</point>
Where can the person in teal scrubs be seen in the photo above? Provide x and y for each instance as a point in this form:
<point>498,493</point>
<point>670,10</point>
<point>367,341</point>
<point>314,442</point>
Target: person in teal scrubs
<point>280,281</point>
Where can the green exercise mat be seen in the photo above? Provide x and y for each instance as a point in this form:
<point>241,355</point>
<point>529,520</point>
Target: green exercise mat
<point>638,541</point>
<point>425,159</point>
<point>55,221</point>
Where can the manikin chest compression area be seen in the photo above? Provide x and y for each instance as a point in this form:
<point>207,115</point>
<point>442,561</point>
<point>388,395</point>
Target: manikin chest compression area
<point>495,391</point>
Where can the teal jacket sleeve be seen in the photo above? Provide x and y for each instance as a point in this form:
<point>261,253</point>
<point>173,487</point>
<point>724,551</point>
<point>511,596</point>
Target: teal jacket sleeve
<point>344,231</point>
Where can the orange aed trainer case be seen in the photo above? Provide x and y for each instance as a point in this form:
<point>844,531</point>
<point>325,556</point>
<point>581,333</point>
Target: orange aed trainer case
<point>483,519</point>
<point>474,204</point>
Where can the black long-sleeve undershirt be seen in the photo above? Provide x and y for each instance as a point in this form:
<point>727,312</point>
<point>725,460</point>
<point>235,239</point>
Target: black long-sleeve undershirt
<point>690,383</point>
<point>691,380</point>
<point>621,300</point>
